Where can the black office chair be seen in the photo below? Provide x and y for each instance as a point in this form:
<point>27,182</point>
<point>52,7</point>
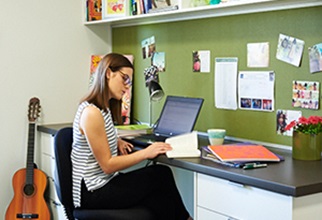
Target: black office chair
<point>63,184</point>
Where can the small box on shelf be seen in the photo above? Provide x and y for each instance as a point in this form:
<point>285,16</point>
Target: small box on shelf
<point>164,5</point>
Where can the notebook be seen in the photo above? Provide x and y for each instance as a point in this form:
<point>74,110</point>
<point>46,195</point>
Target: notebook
<point>243,153</point>
<point>178,116</point>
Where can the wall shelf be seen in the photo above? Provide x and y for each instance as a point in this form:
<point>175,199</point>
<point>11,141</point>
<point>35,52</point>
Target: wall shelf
<point>220,10</point>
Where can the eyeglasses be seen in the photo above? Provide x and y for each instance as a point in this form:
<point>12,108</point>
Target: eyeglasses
<point>127,80</point>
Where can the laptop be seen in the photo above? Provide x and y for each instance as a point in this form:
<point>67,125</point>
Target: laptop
<point>178,116</point>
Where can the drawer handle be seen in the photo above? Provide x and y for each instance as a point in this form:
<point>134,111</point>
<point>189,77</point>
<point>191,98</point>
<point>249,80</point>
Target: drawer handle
<point>236,184</point>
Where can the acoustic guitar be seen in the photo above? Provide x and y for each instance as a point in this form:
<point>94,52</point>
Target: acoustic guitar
<point>29,183</point>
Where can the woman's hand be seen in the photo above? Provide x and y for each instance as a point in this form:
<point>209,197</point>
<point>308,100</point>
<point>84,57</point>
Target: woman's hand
<point>124,147</point>
<point>157,148</point>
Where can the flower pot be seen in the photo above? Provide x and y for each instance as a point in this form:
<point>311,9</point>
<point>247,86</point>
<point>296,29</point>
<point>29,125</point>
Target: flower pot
<point>306,146</point>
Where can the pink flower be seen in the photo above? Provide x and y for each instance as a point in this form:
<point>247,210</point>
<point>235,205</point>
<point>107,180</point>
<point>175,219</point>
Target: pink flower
<point>310,125</point>
<point>315,119</point>
<point>303,120</point>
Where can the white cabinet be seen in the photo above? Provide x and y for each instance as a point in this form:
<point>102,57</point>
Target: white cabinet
<point>47,164</point>
<point>218,199</point>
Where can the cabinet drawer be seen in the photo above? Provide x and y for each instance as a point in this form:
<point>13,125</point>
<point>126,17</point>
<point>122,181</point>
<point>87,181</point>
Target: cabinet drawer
<point>239,201</point>
<point>204,214</point>
<point>52,190</point>
<point>48,165</point>
<point>47,144</point>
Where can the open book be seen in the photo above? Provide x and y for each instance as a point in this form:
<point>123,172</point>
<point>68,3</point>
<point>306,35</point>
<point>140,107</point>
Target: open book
<point>243,153</point>
<point>184,145</point>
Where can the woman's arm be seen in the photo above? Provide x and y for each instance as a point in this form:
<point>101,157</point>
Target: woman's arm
<point>93,127</point>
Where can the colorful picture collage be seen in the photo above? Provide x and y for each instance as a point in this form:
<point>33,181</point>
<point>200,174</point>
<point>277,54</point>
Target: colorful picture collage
<point>305,94</point>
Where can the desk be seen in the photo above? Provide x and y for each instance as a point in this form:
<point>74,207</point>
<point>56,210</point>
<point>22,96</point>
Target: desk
<point>289,190</point>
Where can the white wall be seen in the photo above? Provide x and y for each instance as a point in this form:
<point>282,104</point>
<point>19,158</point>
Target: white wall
<point>44,52</point>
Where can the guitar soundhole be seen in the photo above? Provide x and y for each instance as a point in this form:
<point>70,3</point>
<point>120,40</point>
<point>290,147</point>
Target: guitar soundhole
<point>29,189</point>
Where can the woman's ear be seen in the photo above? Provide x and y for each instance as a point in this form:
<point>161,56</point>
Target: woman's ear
<point>108,73</point>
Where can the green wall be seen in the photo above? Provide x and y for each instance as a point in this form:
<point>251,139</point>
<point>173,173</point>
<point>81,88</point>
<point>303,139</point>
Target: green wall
<point>224,37</point>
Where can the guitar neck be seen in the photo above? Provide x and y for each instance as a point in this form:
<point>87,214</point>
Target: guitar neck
<point>30,154</point>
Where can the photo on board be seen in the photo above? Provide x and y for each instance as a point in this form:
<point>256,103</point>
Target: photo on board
<point>290,49</point>
<point>306,94</point>
<point>315,56</point>
<point>283,118</point>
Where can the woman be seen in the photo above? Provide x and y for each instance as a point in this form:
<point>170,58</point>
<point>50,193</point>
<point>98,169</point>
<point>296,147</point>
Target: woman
<point>281,122</point>
<point>98,155</point>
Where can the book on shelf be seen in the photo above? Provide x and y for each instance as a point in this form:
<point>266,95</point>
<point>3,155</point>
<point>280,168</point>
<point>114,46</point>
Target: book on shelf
<point>147,5</point>
<point>94,10</point>
<point>138,7</point>
<point>134,7</point>
<point>243,153</point>
<point>132,129</point>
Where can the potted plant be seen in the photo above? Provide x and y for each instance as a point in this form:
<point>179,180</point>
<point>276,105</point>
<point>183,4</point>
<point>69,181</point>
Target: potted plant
<point>307,138</point>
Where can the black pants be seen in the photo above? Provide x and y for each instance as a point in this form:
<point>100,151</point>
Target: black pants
<point>153,187</point>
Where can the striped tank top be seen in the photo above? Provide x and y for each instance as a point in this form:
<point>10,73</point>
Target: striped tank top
<point>85,166</point>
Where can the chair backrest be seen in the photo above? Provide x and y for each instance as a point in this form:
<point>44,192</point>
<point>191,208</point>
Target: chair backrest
<point>63,145</point>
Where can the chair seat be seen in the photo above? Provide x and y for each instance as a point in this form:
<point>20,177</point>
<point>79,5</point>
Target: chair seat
<point>112,214</point>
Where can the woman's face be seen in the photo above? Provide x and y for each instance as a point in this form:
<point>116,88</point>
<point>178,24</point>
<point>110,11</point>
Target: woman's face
<point>119,81</point>
<point>281,119</point>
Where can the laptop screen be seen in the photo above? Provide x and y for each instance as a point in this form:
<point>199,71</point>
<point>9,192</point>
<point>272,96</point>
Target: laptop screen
<point>178,116</point>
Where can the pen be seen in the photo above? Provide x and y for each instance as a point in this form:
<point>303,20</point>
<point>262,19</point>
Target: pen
<point>254,166</point>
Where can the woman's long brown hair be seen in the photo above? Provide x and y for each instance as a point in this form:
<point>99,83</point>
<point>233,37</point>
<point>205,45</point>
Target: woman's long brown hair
<point>99,93</point>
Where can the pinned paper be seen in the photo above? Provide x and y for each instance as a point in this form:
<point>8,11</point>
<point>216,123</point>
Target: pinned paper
<point>258,54</point>
<point>185,145</point>
<point>290,49</point>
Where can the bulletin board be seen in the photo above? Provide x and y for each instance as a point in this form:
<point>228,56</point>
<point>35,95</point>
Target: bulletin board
<point>224,37</point>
